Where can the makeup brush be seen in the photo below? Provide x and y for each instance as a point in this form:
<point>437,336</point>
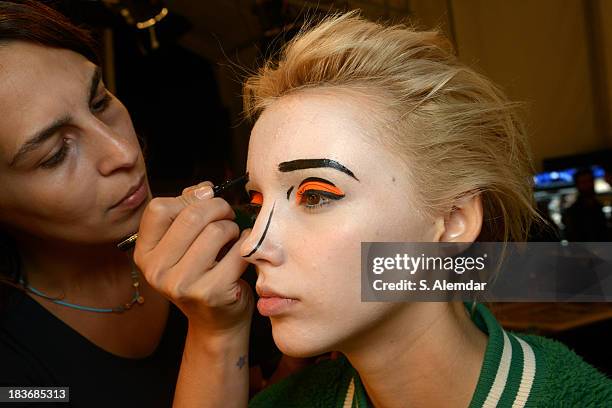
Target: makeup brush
<point>130,241</point>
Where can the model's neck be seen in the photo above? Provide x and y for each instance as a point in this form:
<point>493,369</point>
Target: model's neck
<point>424,354</point>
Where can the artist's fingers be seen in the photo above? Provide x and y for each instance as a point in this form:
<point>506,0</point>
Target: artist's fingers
<point>161,212</point>
<point>232,265</point>
<point>188,225</point>
<point>155,221</point>
<point>196,193</point>
<point>202,184</point>
<point>178,282</point>
<point>202,254</point>
<point>222,285</point>
<point>198,261</point>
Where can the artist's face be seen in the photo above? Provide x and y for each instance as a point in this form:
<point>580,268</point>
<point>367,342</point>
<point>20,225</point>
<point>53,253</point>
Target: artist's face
<point>68,152</point>
<point>325,186</point>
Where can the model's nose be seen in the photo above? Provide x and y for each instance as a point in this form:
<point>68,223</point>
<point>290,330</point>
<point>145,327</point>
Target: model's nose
<point>263,244</point>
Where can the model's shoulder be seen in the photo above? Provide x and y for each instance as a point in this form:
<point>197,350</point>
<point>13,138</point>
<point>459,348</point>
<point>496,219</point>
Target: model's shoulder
<point>565,378</point>
<point>318,385</point>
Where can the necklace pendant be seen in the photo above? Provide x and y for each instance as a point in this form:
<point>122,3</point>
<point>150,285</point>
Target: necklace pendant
<point>140,300</point>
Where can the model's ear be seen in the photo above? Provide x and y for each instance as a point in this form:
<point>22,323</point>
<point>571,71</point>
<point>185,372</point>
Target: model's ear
<point>463,222</point>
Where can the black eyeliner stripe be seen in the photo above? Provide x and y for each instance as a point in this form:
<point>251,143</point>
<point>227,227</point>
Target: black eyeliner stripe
<point>306,180</point>
<point>327,194</point>
<point>313,163</point>
<point>289,192</point>
<point>263,236</point>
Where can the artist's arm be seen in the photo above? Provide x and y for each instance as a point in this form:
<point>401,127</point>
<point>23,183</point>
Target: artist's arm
<point>178,252</point>
<point>214,372</point>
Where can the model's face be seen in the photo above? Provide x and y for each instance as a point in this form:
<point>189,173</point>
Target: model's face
<point>68,151</point>
<point>324,187</point>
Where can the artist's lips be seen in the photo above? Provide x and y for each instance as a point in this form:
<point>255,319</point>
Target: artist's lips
<point>271,303</point>
<point>134,197</point>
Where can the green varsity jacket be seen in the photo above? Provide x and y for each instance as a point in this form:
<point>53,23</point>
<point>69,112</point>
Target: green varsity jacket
<point>518,371</point>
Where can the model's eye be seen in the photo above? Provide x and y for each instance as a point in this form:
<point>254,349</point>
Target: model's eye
<point>312,198</point>
<point>314,192</point>
<point>256,198</point>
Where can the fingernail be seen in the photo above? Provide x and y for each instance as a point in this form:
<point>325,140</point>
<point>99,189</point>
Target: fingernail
<point>203,193</point>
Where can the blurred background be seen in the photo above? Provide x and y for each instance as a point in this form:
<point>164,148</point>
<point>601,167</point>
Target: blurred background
<point>177,65</point>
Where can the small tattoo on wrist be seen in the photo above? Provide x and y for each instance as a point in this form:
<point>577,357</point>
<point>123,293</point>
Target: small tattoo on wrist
<point>241,361</point>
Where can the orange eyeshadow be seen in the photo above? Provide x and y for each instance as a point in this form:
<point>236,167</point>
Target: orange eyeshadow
<point>319,186</point>
<point>256,198</point>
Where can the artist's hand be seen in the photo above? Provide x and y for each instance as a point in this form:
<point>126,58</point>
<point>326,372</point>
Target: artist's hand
<point>178,252</point>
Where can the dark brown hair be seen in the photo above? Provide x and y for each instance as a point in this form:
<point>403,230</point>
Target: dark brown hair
<point>35,22</point>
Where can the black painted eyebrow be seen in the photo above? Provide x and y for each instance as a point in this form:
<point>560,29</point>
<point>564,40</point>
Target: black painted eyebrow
<point>42,135</point>
<point>301,164</point>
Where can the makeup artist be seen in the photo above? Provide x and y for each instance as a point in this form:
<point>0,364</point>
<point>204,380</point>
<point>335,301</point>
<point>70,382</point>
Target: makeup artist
<point>75,311</point>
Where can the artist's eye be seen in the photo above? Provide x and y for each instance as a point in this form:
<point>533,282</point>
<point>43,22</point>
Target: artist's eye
<point>58,157</point>
<point>314,193</point>
<point>102,103</point>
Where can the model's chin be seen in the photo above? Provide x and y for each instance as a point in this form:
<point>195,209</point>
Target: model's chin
<point>295,344</point>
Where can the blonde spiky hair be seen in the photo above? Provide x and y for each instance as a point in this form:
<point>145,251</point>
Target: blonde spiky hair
<point>457,132</point>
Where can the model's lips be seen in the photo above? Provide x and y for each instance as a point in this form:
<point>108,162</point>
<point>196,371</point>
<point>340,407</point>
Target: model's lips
<point>134,197</point>
<point>271,303</point>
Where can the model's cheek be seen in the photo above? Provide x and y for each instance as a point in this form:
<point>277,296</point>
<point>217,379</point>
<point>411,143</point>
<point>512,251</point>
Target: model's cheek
<point>329,270</point>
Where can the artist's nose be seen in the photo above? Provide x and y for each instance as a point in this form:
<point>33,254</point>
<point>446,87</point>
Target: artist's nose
<point>263,245</point>
<point>113,151</point>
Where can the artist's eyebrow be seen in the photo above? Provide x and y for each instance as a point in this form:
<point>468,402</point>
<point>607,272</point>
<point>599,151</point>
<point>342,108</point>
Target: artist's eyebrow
<point>42,135</point>
<point>38,139</point>
<point>301,164</point>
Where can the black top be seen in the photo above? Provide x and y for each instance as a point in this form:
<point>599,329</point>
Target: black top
<point>38,349</point>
